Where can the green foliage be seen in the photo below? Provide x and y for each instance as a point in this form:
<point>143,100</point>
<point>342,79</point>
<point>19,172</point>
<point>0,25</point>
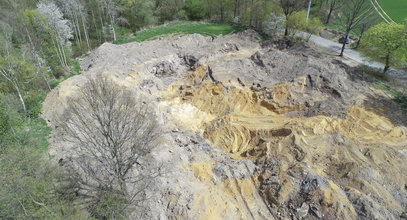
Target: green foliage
<point>298,21</point>
<point>314,25</point>
<point>28,180</point>
<point>181,28</point>
<point>5,124</point>
<point>398,96</point>
<point>110,205</point>
<point>169,10</point>
<point>386,43</point>
<point>28,183</point>
<point>42,38</point>
<point>75,70</point>
<point>139,13</point>
<point>21,130</point>
<point>196,9</point>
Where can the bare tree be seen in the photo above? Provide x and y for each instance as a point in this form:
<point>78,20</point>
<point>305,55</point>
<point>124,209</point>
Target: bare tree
<point>112,133</point>
<point>333,5</point>
<point>364,26</point>
<point>289,7</point>
<point>354,12</point>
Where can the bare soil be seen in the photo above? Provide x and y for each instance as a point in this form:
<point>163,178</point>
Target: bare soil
<point>272,130</point>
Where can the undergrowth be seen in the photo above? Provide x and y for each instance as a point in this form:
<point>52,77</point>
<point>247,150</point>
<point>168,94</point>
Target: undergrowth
<point>398,96</point>
<point>75,70</point>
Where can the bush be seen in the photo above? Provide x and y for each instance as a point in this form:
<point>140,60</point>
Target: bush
<point>196,9</point>
<point>28,184</point>
<point>298,22</point>
<point>76,70</point>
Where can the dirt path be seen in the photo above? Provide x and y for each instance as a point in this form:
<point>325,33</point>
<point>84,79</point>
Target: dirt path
<point>357,56</point>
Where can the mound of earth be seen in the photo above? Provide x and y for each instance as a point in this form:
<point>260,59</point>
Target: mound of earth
<point>257,131</point>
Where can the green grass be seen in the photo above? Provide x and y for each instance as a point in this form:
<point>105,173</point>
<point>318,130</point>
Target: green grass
<point>75,70</point>
<point>176,28</point>
<point>388,85</point>
<point>396,9</point>
<point>398,96</point>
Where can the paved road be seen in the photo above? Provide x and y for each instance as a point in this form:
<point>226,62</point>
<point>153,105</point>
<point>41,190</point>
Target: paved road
<point>356,56</point>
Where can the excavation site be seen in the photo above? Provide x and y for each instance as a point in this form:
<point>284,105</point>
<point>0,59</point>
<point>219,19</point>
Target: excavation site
<point>253,129</point>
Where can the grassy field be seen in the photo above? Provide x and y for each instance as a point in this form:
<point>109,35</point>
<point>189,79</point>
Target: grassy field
<point>396,9</point>
<point>177,28</point>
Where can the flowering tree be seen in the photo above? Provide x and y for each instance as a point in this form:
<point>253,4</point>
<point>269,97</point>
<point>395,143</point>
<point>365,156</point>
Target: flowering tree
<point>59,27</point>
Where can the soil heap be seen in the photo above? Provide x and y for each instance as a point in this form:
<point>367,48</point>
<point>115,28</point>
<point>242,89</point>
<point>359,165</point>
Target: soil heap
<point>270,130</point>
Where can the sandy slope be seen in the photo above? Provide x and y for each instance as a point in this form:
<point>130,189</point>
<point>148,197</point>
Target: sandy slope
<point>254,132</point>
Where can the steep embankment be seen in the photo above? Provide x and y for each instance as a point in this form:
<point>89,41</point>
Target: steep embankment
<point>254,132</point>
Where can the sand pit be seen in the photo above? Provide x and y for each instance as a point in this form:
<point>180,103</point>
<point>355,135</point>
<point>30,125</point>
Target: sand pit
<point>255,132</point>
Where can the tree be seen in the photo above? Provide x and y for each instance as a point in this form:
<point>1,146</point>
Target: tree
<point>138,13</point>
<point>170,9</point>
<point>28,183</point>
<point>353,13</point>
<point>313,26</point>
<point>11,69</point>
<point>59,28</point>
<point>386,43</point>
<point>364,26</point>
<point>333,5</point>
<point>297,21</point>
<point>289,7</point>
<point>196,9</point>
<point>75,11</point>
<point>275,24</point>
<point>112,133</point>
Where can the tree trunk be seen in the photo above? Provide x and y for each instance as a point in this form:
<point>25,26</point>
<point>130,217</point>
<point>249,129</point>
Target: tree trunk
<point>343,48</point>
<point>63,55</point>
<point>286,31</point>
<point>360,36</point>
<point>344,45</point>
<point>222,12</point>
<point>46,82</point>
<point>387,65</point>
<point>85,31</point>
<point>76,20</point>
<point>112,24</point>
<point>328,18</point>
<point>96,27</point>
<point>59,53</point>
<point>15,85</point>
<point>20,96</point>
<point>236,5</point>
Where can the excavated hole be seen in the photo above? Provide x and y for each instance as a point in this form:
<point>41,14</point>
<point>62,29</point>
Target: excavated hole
<point>251,124</point>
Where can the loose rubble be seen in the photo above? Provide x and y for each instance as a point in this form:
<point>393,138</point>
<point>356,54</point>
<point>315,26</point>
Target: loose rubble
<point>271,130</point>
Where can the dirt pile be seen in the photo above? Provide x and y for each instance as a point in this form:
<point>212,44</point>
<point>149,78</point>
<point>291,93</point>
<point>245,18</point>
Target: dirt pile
<point>294,154</point>
<point>271,131</point>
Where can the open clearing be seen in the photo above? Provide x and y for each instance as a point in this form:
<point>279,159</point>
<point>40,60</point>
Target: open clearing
<point>396,9</point>
<point>178,28</point>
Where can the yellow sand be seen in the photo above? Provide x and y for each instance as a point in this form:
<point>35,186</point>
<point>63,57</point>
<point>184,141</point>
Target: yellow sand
<point>252,124</point>
<point>226,199</point>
